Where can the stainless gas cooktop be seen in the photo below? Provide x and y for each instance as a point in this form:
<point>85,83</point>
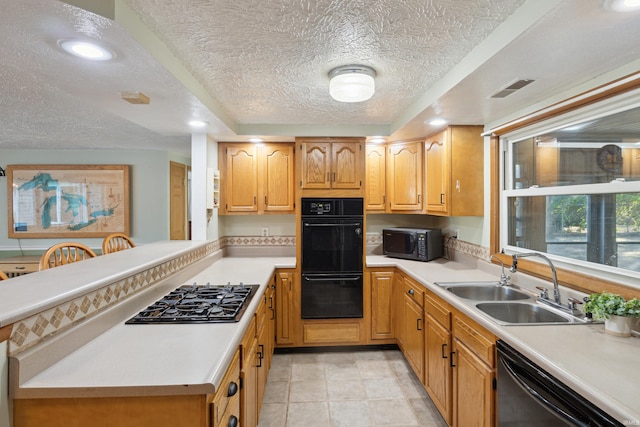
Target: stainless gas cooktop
<point>198,304</point>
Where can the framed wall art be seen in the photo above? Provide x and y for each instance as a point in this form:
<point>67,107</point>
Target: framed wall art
<point>67,200</point>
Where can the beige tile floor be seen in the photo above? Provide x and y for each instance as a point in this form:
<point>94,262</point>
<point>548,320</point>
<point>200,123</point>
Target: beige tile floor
<point>336,389</point>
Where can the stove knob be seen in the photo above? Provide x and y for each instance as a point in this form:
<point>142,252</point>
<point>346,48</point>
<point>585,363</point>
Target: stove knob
<point>233,389</point>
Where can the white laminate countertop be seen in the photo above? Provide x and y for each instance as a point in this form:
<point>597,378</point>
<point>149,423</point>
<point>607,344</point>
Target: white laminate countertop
<point>155,359</point>
<point>181,359</point>
<point>602,368</point>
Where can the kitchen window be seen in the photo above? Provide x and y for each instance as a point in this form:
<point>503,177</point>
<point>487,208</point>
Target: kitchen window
<point>572,188</point>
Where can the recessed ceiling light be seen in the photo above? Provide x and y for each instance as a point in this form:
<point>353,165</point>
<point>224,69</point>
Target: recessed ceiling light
<point>197,123</point>
<point>377,140</point>
<point>437,122</point>
<point>623,5</point>
<point>86,50</point>
<point>256,140</point>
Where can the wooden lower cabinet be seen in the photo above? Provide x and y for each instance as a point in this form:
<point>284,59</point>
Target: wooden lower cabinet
<point>474,374</point>
<point>411,325</point>
<point>286,305</point>
<point>473,389</point>
<point>249,377</point>
<point>437,352</point>
<point>382,305</point>
<point>451,354</point>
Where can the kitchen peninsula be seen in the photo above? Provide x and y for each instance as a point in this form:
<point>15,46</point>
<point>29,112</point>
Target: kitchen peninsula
<point>102,358</point>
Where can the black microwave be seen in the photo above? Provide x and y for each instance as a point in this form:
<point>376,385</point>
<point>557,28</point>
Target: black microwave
<point>421,244</point>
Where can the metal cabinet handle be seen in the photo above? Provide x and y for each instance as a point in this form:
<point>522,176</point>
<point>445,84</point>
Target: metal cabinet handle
<point>232,390</point>
<point>418,320</point>
<point>265,201</point>
<point>233,421</point>
<point>451,359</point>
<point>260,355</point>
<point>419,196</point>
<point>444,356</point>
<point>442,198</point>
<point>411,292</point>
<point>334,177</point>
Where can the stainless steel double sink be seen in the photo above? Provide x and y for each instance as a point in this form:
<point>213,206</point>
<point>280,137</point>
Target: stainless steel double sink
<point>508,305</point>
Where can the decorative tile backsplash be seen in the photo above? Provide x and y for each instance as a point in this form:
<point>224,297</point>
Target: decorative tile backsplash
<point>259,241</point>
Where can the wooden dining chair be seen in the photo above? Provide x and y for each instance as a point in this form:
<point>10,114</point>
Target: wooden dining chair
<point>65,253</point>
<point>3,275</point>
<point>116,242</point>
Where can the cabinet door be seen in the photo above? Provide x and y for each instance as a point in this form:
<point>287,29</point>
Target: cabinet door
<point>437,375</point>
<point>414,336</point>
<point>467,171</point>
<point>270,322</point>
<point>404,176</point>
<point>263,370</point>
<point>316,164</point>
<point>284,308</point>
<point>437,174</point>
<point>473,389</point>
<point>276,178</point>
<point>381,305</point>
<point>241,178</point>
<point>249,390</point>
<point>375,178</point>
<point>345,165</point>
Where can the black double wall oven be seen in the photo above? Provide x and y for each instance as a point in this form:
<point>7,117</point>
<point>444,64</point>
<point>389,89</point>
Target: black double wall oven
<point>332,266</point>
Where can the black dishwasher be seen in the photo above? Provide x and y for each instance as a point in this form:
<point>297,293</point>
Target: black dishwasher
<point>529,396</point>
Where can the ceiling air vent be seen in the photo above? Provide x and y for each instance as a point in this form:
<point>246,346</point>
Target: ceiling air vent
<point>506,91</point>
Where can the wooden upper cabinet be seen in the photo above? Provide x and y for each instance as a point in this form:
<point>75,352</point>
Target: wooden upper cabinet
<point>404,176</point>
<point>345,165</point>
<point>316,164</point>
<point>331,163</point>
<point>454,172</point>
<point>240,178</point>
<point>257,179</point>
<point>276,171</point>
<point>375,192</point>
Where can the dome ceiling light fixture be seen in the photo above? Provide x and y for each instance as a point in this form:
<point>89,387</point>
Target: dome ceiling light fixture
<point>352,83</point>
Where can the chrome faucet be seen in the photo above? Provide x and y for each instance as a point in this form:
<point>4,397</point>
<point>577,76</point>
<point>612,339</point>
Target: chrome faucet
<point>556,292</point>
<point>504,279</point>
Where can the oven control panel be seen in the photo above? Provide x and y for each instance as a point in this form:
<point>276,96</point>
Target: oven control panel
<point>320,208</point>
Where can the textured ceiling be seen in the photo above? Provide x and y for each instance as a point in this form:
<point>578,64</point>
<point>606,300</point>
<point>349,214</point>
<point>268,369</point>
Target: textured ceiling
<point>250,67</point>
<point>267,61</point>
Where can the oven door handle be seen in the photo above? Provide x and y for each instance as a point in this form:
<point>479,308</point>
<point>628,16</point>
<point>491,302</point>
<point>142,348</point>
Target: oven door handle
<point>350,224</point>
<point>324,279</point>
<point>524,379</point>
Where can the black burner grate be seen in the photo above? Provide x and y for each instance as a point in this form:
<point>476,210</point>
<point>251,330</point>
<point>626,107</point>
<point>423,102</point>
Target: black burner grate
<point>198,304</point>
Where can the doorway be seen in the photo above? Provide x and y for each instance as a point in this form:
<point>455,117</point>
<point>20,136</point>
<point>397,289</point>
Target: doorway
<point>178,229</point>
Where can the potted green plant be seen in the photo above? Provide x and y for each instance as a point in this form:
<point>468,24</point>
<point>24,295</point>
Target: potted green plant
<point>616,312</point>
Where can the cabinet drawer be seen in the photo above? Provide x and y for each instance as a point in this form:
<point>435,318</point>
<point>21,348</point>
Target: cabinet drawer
<point>479,341</point>
<point>413,291</point>
<point>438,310</point>
<point>228,392</point>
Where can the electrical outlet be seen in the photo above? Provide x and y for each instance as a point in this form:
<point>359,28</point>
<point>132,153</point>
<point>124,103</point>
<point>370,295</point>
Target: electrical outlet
<point>456,233</point>
<point>265,231</point>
